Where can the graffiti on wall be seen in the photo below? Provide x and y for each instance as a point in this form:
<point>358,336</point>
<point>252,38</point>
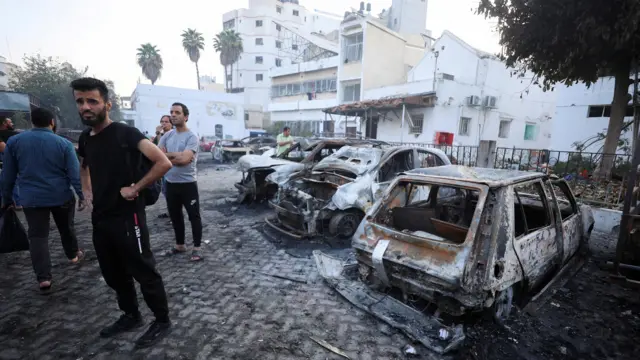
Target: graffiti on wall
<point>225,110</point>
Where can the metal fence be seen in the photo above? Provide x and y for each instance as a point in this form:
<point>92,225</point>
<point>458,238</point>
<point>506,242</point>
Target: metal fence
<point>578,168</point>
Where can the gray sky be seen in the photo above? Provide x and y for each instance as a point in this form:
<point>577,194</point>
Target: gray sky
<point>104,35</point>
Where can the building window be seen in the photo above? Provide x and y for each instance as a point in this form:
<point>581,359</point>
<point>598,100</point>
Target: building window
<point>259,41</point>
<point>230,24</point>
<point>258,23</point>
<point>296,13</point>
<point>530,131</point>
<point>258,59</point>
<point>306,87</point>
<point>278,62</point>
<point>278,44</point>
<point>503,130</point>
<point>246,116</point>
<point>258,77</point>
<point>464,129</point>
<point>351,93</point>
<point>596,111</point>
<point>418,121</point>
<point>294,47</point>
<point>279,9</point>
<point>278,27</point>
<point>353,47</point>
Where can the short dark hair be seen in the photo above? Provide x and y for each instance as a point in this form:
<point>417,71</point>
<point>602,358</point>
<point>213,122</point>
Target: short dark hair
<point>89,84</point>
<point>164,116</point>
<point>185,109</point>
<point>3,119</point>
<point>41,118</point>
<point>286,128</point>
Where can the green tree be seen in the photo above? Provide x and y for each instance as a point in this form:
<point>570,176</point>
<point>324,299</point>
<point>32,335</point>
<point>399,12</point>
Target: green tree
<point>573,41</point>
<point>193,42</point>
<point>229,44</point>
<point>150,62</point>
<point>48,79</point>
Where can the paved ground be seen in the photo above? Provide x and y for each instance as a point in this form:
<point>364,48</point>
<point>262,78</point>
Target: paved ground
<point>227,307</point>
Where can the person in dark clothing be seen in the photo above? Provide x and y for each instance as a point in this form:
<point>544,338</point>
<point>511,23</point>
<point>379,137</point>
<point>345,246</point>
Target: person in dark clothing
<point>120,233</point>
<point>48,168</point>
<point>7,130</point>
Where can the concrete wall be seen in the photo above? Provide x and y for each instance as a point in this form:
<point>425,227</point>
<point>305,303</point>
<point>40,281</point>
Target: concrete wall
<point>571,122</point>
<point>383,50</point>
<point>206,109</point>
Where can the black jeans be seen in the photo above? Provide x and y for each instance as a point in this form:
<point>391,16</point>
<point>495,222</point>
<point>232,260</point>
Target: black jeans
<point>124,254</point>
<point>38,233</point>
<point>179,195</point>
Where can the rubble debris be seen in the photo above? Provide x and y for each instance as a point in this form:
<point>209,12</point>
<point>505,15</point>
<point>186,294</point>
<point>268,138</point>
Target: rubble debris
<point>284,277</point>
<point>410,350</point>
<point>411,322</point>
<point>329,347</point>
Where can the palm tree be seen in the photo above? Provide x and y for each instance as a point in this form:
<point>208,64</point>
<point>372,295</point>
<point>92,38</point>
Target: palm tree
<point>193,42</point>
<point>150,61</point>
<point>229,44</point>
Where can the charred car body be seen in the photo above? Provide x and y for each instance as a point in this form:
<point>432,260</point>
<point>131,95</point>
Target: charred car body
<point>225,151</point>
<point>253,185</point>
<point>333,196</point>
<point>471,239</point>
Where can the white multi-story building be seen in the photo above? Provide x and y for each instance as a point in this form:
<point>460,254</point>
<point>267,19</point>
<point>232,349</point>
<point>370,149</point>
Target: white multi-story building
<point>459,95</point>
<point>6,68</point>
<point>366,46</point>
<point>582,113</point>
<point>276,33</point>
<point>406,16</point>
<point>208,83</point>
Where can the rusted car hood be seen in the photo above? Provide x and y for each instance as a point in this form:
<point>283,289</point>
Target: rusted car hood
<point>250,161</point>
<point>357,160</point>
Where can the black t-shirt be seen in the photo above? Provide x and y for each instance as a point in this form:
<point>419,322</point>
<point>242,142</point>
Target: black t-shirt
<point>6,134</point>
<point>107,158</point>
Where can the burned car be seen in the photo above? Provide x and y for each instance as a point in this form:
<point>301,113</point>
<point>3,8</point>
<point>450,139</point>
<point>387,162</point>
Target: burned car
<point>333,196</point>
<point>471,239</point>
<point>255,168</point>
<point>225,151</point>
<point>259,144</point>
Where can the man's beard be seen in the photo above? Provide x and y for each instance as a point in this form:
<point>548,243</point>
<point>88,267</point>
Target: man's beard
<point>99,118</point>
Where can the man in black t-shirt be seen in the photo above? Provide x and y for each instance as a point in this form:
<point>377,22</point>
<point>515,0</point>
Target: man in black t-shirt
<point>120,233</point>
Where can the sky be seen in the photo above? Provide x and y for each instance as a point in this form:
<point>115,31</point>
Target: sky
<point>104,35</point>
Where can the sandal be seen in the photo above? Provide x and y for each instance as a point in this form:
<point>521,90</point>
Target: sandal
<point>174,251</point>
<point>196,255</point>
<point>45,285</point>
<point>79,257</point>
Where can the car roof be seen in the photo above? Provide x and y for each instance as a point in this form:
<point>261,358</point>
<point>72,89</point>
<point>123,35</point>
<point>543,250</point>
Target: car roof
<point>488,176</point>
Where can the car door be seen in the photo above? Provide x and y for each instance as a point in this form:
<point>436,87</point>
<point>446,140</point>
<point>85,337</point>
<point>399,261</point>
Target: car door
<point>534,231</point>
<point>571,221</point>
<point>389,168</point>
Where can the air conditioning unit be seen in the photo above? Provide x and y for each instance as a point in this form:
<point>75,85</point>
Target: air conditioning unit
<point>473,100</point>
<point>490,101</point>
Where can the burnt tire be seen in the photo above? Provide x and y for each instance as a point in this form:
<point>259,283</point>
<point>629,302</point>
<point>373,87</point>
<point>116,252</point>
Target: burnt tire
<point>344,224</point>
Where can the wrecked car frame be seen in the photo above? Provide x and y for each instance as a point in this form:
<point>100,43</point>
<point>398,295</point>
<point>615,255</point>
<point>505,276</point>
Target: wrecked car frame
<point>471,239</point>
<point>255,168</point>
<point>333,196</point>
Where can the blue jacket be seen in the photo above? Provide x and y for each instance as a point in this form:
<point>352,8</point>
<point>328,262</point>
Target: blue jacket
<point>48,167</point>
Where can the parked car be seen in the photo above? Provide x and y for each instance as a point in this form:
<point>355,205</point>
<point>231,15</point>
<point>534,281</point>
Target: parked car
<point>226,151</point>
<point>255,168</point>
<point>471,239</point>
<point>333,196</point>
<point>207,142</point>
<point>259,143</point>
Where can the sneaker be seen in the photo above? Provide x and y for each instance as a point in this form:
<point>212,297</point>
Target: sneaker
<point>156,332</point>
<point>126,322</point>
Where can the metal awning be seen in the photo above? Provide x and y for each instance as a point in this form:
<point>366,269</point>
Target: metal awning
<point>11,101</point>
<point>427,99</point>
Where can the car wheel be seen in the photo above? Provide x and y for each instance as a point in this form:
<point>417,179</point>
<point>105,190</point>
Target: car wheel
<point>502,305</point>
<point>344,224</point>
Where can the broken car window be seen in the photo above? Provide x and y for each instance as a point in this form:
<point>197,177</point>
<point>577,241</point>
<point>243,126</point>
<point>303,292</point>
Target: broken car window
<point>427,159</point>
<point>564,198</point>
<point>398,163</point>
<point>436,212</point>
<point>531,209</point>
